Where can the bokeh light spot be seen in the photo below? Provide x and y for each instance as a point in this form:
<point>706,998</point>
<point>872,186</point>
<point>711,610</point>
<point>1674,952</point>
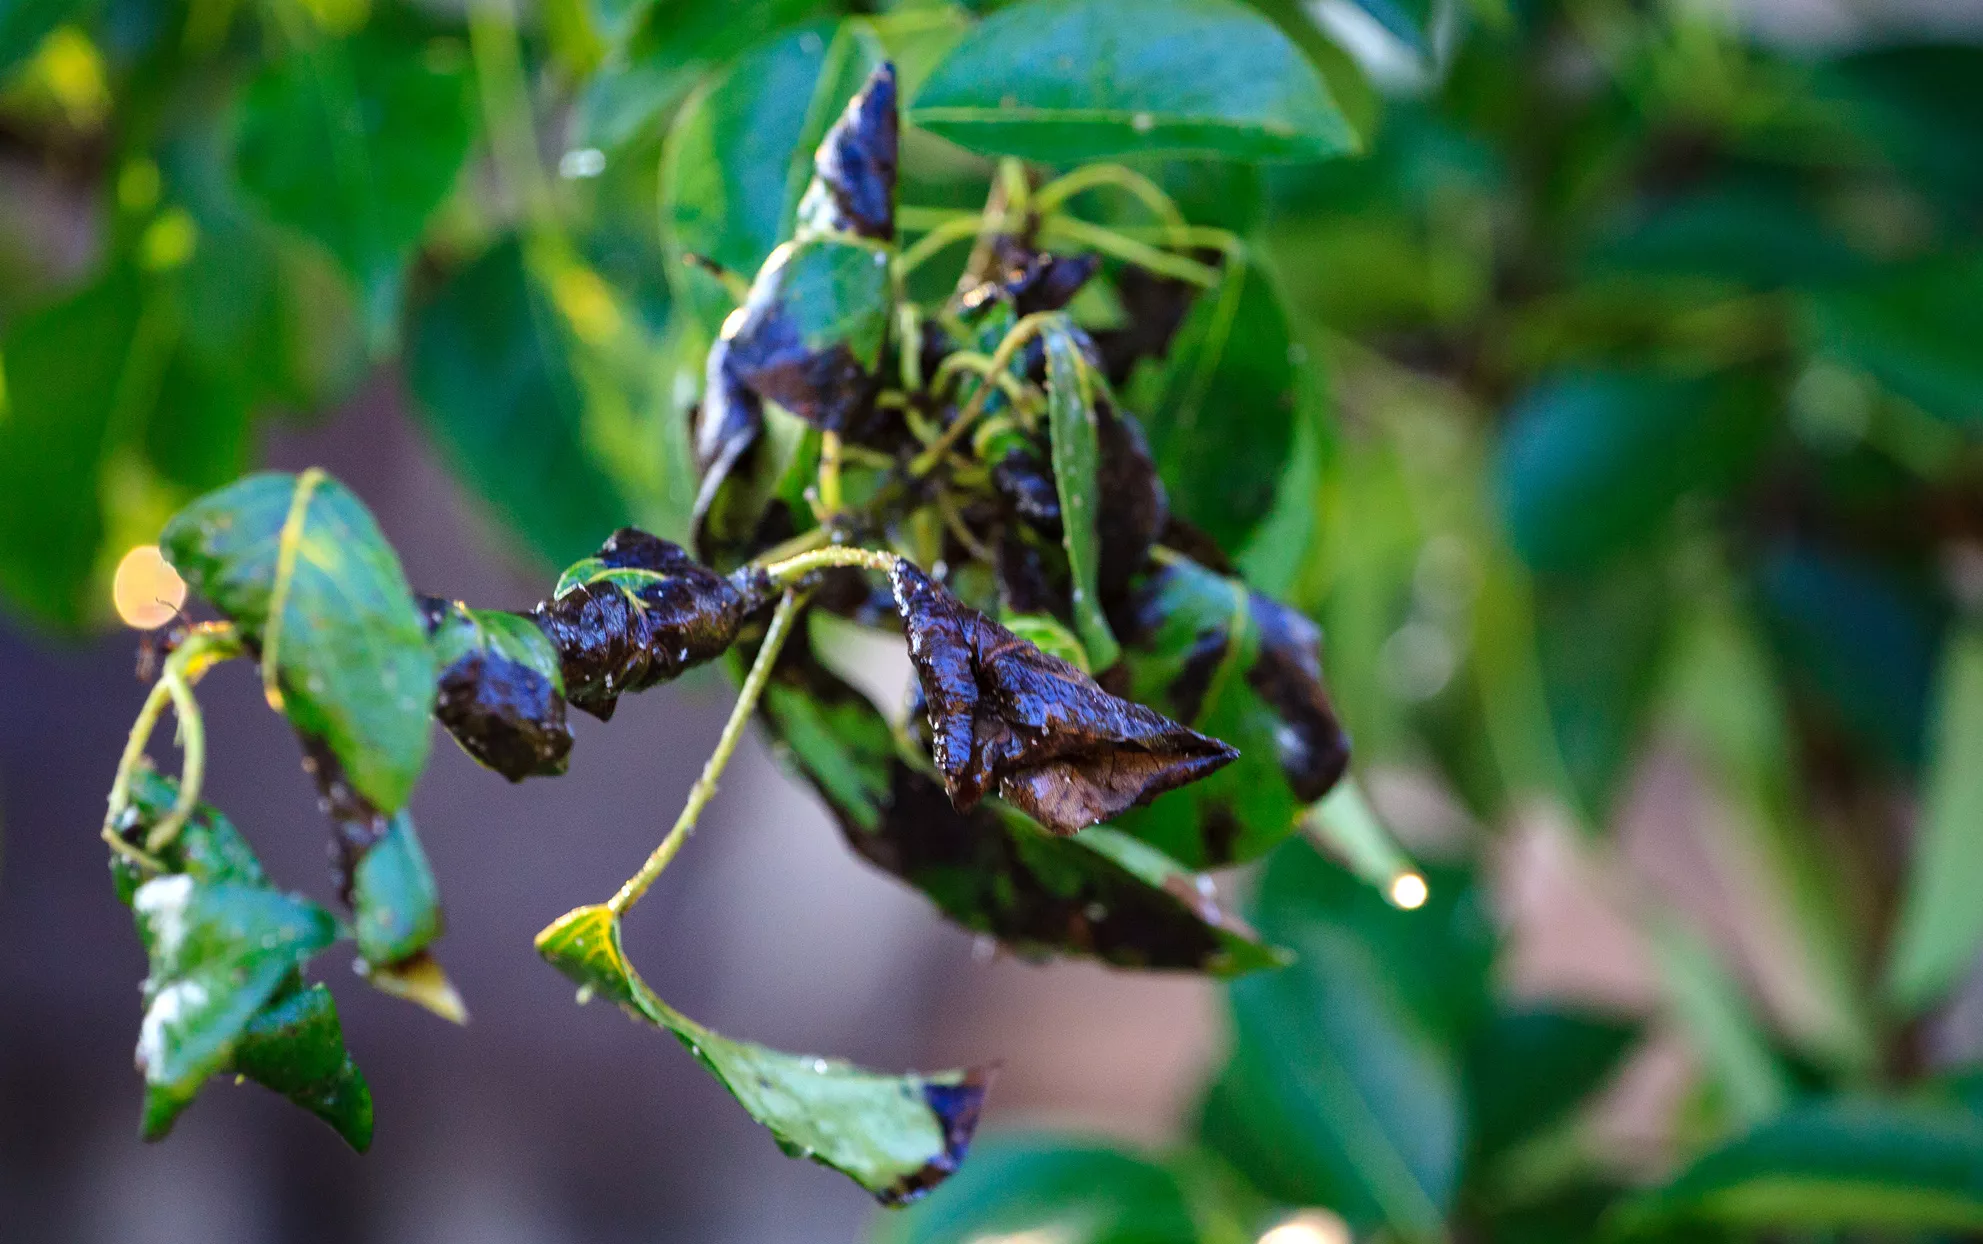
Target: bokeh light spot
<point>146,589</point>
<point>1313,1226</point>
<point>1409,891</point>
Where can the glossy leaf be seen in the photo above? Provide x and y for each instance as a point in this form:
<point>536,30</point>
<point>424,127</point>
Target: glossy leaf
<point>1344,1085</point>
<point>1074,423</point>
<point>493,374</point>
<point>355,143</point>
<point>1220,409</point>
<point>349,648</point>
<point>896,1136</point>
<point>1941,923</point>
<point>1838,1164</point>
<point>1050,1188</point>
<point>502,691</point>
<point>992,870</point>
<point>1206,77</point>
<point>295,1047</point>
<point>1246,670</point>
<point>1011,720</point>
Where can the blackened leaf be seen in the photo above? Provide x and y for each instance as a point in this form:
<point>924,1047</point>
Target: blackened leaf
<point>992,870</point>
<point>295,1046</point>
<point>1247,669</point>
<point>1220,409</point>
<point>640,613</point>
<point>1071,415</point>
<point>853,185</point>
<point>1206,77</point>
<point>492,367</point>
<point>1011,720</point>
<point>896,1136</point>
<point>1040,1188</point>
<point>740,154</point>
<point>355,142</point>
<point>219,951</point>
<point>349,649</point>
<point>501,690</point>
<point>809,335</point>
<point>1527,1069</point>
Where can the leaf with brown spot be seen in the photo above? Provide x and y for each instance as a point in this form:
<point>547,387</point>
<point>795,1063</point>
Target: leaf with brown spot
<point>1011,720</point>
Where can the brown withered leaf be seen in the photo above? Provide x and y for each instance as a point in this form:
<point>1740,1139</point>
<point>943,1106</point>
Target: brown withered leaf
<point>853,185</point>
<point>639,613</point>
<point>1009,719</point>
<point>501,688</point>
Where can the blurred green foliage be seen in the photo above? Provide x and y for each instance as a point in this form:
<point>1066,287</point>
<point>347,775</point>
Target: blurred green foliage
<point>1621,394</point>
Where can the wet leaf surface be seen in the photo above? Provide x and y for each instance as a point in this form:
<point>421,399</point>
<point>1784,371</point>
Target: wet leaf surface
<point>853,185</point>
<point>501,689</point>
<point>351,656</point>
<point>1249,670</point>
<point>1010,720</point>
<point>638,614</point>
<point>896,1136</point>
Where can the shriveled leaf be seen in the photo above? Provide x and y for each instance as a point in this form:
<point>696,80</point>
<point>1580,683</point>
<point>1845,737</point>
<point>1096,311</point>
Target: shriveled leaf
<point>853,185</point>
<point>1941,923</point>
<point>1249,671</point>
<point>355,142</point>
<point>1050,1188</point>
<point>1839,1164</point>
<point>1011,720</point>
<point>1220,410</point>
<point>1206,77</point>
<point>501,689</point>
<point>295,1046</point>
<point>896,1136</point>
<point>638,614</point>
<point>493,375</point>
<point>1072,416</point>
<point>301,568</point>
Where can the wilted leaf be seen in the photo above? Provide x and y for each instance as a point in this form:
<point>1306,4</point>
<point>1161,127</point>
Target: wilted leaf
<point>1206,77</point>
<point>1011,720</point>
<point>853,185</point>
<point>1046,1188</point>
<point>640,613</point>
<point>1248,670</point>
<point>301,568</point>
<point>896,1136</point>
<point>501,689</point>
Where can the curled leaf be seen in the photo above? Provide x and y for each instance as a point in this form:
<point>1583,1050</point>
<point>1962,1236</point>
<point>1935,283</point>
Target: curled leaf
<point>896,1136</point>
<point>638,614</point>
<point>853,185</point>
<point>1030,280</point>
<point>501,689</point>
<point>1010,719</point>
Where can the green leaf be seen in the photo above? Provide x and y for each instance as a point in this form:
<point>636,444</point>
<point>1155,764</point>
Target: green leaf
<point>1839,1164</point>
<point>1917,328</point>
<point>1410,21</point>
<point>295,1047</point>
<point>348,647</point>
<point>355,142</point>
<point>739,155</point>
<point>993,871</point>
<point>896,1136</point>
<point>219,951</point>
<point>1592,463</point>
<point>1066,81</point>
<point>491,365</point>
<point>1071,417</point>
<point>1527,1069</point>
<point>1941,922</point>
<point>1220,409</point>
<point>395,905</point>
<point>1344,1088</point>
<point>1050,1188</point>
<point>25,23</point>
<point>1232,664</point>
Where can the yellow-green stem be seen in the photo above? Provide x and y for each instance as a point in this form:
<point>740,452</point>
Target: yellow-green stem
<point>1022,332</point>
<point>1093,176</point>
<point>791,570</point>
<point>286,547</point>
<point>1129,250</point>
<point>829,472</point>
<point>712,769</point>
<point>202,649</point>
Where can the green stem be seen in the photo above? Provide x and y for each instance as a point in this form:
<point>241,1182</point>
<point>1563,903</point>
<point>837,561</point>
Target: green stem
<point>1093,176</point>
<point>1129,250</point>
<point>705,786</point>
<point>829,472</point>
<point>930,244</point>
<point>1022,332</point>
<point>792,569</point>
<point>506,111</point>
<point>287,544</point>
<point>201,650</point>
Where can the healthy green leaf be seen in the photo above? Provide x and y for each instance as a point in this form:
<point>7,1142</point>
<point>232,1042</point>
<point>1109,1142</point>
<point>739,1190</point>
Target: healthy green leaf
<point>1220,408</point>
<point>1917,328</point>
<point>1071,416</point>
<point>1838,1164</point>
<point>1050,1188</point>
<point>355,142</point>
<point>346,641</point>
<point>491,365</point>
<point>1941,923</point>
<point>1064,81</point>
<point>896,1136</point>
<point>1527,1069</point>
<point>395,905</point>
<point>295,1047</point>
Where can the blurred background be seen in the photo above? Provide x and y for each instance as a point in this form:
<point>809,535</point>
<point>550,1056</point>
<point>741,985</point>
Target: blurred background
<point>1637,365</point>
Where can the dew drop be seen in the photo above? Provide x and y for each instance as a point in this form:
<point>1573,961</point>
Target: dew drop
<point>819,1067</point>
